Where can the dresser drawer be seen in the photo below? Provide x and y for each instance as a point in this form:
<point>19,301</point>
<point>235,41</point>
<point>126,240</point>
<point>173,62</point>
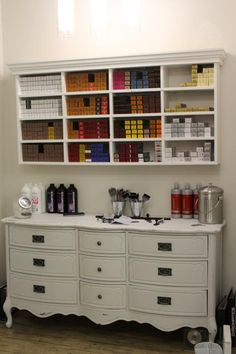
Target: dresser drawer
<point>43,237</point>
<point>102,268</point>
<point>103,242</point>
<point>105,296</point>
<point>169,272</point>
<point>42,263</point>
<point>168,246</point>
<point>39,289</point>
<point>184,302</point>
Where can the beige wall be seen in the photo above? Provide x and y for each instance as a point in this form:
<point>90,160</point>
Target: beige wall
<point>30,34</point>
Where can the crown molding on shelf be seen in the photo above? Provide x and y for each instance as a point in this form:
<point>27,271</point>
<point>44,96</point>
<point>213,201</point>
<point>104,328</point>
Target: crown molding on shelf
<point>172,58</point>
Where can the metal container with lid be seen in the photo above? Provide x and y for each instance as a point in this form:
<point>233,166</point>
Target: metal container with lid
<point>211,204</point>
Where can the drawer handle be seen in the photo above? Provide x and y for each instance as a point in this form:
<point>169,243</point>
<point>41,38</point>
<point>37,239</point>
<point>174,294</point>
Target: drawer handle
<point>163,300</point>
<point>99,243</point>
<point>99,269</point>
<point>163,246</point>
<point>165,272</point>
<point>39,262</point>
<point>40,289</point>
<point>38,238</point>
<point>99,296</point>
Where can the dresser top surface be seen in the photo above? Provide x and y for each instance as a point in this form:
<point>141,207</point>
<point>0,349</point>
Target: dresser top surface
<point>91,222</point>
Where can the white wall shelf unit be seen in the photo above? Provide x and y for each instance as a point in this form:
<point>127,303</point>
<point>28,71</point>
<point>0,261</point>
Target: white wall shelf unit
<point>142,110</point>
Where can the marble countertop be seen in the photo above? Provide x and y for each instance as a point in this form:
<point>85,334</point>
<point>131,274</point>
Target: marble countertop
<point>90,221</point>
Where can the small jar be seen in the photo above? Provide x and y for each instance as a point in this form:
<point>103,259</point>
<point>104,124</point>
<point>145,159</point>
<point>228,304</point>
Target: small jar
<point>22,208</point>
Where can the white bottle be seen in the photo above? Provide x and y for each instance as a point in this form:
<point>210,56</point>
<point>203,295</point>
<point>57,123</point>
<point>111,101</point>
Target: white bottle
<point>36,200</point>
<point>43,198</point>
<point>26,191</point>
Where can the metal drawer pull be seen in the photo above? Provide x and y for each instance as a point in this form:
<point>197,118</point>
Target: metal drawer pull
<point>162,246</point>
<point>99,296</point>
<point>39,262</point>
<point>40,289</point>
<point>162,300</point>
<point>165,272</point>
<point>99,243</point>
<point>38,238</point>
<point>99,269</point>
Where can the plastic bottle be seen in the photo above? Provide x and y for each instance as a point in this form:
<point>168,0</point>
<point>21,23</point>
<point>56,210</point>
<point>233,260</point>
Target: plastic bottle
<point>36,200</point>
<point>176,201</point>
<point>187,202</point>
<point>72,199</point>
<point>61,199</point>
<point>43,197</point>
<point>51,197</point>
<point>196,201</point>
<point>26,191</point>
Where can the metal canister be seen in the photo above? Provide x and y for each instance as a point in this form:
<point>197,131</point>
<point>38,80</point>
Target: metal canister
<point>211,205</point>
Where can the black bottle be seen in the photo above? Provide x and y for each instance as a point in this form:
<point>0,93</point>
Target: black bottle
<point>61,199</point>
<point>51,197</point>
<point>72,199</point>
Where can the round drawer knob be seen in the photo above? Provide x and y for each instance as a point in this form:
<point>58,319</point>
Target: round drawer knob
<point>99,269</point>
<point>99,296</point>
<point>99,243</point>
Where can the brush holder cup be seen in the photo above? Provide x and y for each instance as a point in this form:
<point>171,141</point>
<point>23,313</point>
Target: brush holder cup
<point>118,208</point>
<point>136,209</point>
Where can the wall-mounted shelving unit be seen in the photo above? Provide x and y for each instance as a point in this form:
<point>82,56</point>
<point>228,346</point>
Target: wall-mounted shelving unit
<point>139,110</point>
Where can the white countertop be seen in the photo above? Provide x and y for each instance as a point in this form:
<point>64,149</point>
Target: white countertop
<point>90,221</point>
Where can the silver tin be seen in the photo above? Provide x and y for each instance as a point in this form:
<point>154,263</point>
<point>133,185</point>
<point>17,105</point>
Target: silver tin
<point>211,205</point>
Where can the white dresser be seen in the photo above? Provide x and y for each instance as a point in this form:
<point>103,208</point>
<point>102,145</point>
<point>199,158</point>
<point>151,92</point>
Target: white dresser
<point>167,275</point>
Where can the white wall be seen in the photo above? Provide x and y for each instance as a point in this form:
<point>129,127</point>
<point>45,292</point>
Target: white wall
<point>30,34</point>
<point>2,258</point>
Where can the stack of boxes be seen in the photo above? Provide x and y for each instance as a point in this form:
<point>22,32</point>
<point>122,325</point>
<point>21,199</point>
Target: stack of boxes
<point>95,152</point>
<point>185,127</point>
<point>202,153</point>
<point>129,152</point>
<point>86,81</point>
<point>41,107</point>
<point>136,79</point>
<point>202,75</point>
<point>87,105</point>
<point>137,128</point>
<point>134,152</point>
<point>145,103</point>
<point>43,152</point>
<point>88,129</point>
<point>42,130</point>
<point>40,83</point>
<point>182,107</point>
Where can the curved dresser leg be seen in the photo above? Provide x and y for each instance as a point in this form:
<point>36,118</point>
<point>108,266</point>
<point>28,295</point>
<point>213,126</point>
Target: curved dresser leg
<point>7,310</point>
<point>212,329</point>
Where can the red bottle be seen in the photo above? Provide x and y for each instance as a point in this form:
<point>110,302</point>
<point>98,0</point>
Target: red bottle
<point>187,202</point>
<point>196,201</point>
<point>176,202</point>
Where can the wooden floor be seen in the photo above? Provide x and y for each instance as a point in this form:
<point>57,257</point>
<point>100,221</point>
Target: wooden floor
<point>77,335</point>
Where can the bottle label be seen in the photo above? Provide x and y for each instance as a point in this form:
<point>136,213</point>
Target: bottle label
<point>60,202</point>
<point>187,204</point>
<point>71,202</point>
<point>176,203</point>
<point>51,202</point>
<point>195,204</point>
